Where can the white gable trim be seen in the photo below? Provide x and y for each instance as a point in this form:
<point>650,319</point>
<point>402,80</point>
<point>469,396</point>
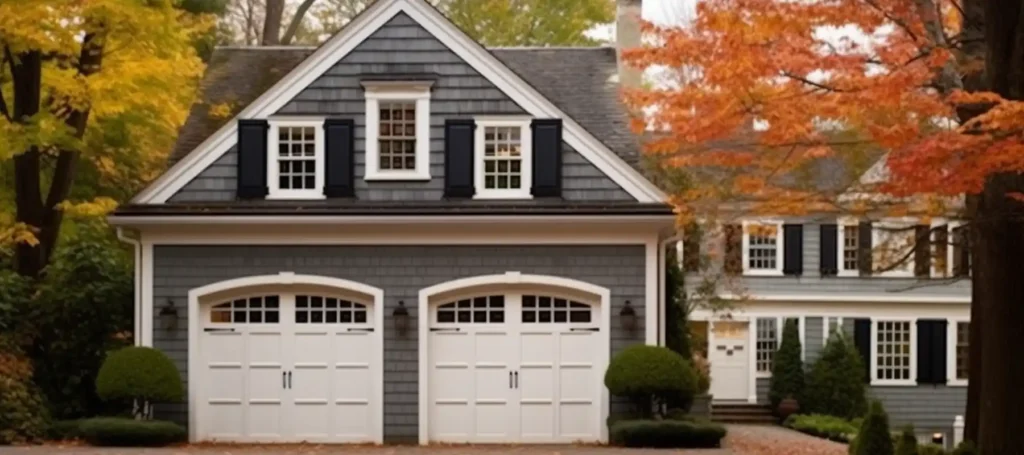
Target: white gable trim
<point>184,171</point>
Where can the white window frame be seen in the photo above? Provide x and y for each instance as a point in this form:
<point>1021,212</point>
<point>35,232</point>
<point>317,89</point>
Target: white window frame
<point>951,334</point>
<point>417,92</point>
<point>841,226</point>
<point>877,230</point>
<point>912,378</point>
<point>526,158</point>
<point>780,325</point>
<point>274,190</point>
<point>779,249</point>
<point>825,324</point>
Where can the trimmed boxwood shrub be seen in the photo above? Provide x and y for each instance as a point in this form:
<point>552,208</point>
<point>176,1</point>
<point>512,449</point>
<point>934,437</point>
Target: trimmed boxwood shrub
<point>139,376</point>
<point>666,434</point>
<point>125,432</point>
<point>965,448</point>
<point>835,383</point>
<point>787,368</point>
<point>906,443</point>
<point>651,376</point>
<point>874,437</point>
<point>65,430</point>
<point>930,449</point>
<point>823,426</point>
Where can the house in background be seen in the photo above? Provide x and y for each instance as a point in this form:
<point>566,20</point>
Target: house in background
<point>909,319</point>
<point>400,236</point>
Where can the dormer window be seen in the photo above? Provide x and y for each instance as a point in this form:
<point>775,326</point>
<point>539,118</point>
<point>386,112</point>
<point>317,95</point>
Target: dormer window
<point>503,158</point>
<point>296,164</point>
<point>397,130</point>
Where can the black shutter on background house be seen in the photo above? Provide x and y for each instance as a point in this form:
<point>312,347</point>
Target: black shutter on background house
<point>864,246</point>
<point>931,351</point>
<point>961,251</point>
<point>829,250</point>
<point>793,249</point>
<point>862,339</point>
<point>252,159</point>
<point>691,248</point>
<point>733,249</point>
<point>339,142</point>
<point>459,136</point>
<point>922,251</point>
<point>547,158</point>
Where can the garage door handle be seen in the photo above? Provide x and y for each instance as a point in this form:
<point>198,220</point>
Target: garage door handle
<point>284,380</point>
<point>517,379</point>
<point>510,379</point>
<point>289,379</point>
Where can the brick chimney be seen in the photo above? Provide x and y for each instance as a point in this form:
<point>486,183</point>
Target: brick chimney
<point>627,35</point>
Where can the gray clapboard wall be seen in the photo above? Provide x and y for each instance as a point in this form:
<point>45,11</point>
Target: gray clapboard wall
<point>403,48</point>
<point>401,271</point>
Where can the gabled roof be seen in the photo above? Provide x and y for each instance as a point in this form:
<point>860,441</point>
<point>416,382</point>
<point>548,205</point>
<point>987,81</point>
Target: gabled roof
<point>594,125</point>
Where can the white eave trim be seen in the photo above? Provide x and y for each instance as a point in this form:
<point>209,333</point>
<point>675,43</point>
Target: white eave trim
<point>159,220</point>
<point>164,187</point>
<point>894,297</point>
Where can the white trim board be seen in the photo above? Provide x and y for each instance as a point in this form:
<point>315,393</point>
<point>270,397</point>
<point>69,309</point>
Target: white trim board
<point>294,220</point>
<point>353,34</point>
<point>891,297</point>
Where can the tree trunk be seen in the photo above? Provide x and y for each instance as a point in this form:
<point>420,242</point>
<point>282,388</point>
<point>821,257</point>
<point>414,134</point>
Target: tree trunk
<point>1000,234</point>
<point>293,27</point>
<point>272,22</point>
<point>972,418</point>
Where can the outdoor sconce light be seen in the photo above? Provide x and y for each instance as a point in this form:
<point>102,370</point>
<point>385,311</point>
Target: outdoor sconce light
<point>939,438</point>
<point>169,316</point>
<point>401,315</point>
<point>627,317</point>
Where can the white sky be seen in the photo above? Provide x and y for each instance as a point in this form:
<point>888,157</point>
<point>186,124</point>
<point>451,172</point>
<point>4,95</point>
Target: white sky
<point>657,11</point>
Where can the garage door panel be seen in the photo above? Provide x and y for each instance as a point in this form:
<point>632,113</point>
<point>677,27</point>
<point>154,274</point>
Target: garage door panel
<point>265,383</point>
<point>538,347</point>
<point>577,347</point>
<point>311,348</point>
<point>351,421</point>
<point>492,421</point>
<point>353,347</point>
<point>492,349</point>
<point>536,382</point>
<point>265,347</point>
<point>537,420</point>
<point>576,383</point>
<point>315,422</point>
<point>352,382</point>
<point>575,421</point>
<point>225,383</point>
<point>264,420</point>
<point>452,382</point>
<point>226,422</point>
<point>451,421</point>
<point>451,347</point>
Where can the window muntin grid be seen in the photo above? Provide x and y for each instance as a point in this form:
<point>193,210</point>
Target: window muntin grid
<point>541,309</point>
<point>762,252</point>
<point>962,337</point>
<point>477,310</point>
<point>850,247</point>
<point>249,310</point>
<point>892,351</point>
<point>315,309</point>
<point>396,136</point>
<point>502,158</point>
<point>296,157</point>
<point>767,342</point>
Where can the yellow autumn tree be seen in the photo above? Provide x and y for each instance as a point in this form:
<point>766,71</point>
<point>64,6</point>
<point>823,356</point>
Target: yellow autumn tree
<point>90,90</point>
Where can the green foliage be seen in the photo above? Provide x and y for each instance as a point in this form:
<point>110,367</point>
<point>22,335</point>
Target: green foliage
<point>906,443</point>
<point>930,449</point>
<point>835,383</point>
<point>140,375</point>
<point>787,368</point>
<point>65,430</point>
<point>965,448</point>
<point>15,293</point>
<point>823,426</point>
<point>651,376</point>
<point>666,434</point>
<point>874,437</point>
<point>83,309</point>
<point>677,333</point>
<point>123,432</point>
<point>23,416</point>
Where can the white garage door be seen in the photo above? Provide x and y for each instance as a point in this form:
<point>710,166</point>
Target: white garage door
<point>515,367</point>
<point>288,367</point>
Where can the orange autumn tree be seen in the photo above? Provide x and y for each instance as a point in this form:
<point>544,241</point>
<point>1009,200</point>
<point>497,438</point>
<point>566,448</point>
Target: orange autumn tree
<point>869,107</point>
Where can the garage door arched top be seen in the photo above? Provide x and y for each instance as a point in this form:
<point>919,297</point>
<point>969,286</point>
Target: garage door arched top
<point>287,279</point>
<point>603,294</point>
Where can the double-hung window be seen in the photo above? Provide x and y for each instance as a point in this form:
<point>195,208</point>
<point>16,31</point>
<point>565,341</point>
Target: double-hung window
<point>959,337</point>
<point>295,169</point>
<point>503,158</point>
<point>893,352</point>
<point>893,249</point>
<point>833,327</point>
<point>397,130</point>
<point>762,248</point>
<point>768,337</point>
<point>849,246</point>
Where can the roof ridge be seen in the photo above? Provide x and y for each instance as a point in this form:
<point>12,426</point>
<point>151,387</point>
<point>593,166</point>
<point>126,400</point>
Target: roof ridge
<point>552,48</point>
<point>245,47</point>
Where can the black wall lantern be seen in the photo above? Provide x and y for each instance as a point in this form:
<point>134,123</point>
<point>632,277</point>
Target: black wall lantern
<point>627,317</point>
<point>401,315</point>
<point>169,316</point>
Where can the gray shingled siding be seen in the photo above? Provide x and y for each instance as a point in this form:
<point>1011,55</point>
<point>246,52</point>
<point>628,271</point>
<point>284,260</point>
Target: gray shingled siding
<point>401,271</point>
<point>814,333</point>
<point>812,283</point>
<point>403,47</point>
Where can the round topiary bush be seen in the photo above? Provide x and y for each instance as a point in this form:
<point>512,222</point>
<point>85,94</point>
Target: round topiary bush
<point>121,432</point>
<point>650,376</point>
<point>141,376</point>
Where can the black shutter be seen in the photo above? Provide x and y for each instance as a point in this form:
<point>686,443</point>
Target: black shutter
<point>862,339</point>
<point>691,248</point>
<point>547,158</point>
<point>459,135</point>
<point>864,247</point>
<point>793,249</point>
<point>961,251</point>
<point>733,249</point>
<point>922,251</point>
<point>942,249</point>
<point>339,142</point>
<point>252,159</point>
<point>931,351</point>
<point>829,254</point>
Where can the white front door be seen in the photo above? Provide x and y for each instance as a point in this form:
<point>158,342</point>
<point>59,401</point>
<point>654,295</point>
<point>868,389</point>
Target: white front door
<point>514,368</point>
<point>288,367</point>
<point>729,355</point>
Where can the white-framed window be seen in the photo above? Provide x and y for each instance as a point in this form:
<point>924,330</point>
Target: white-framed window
<point>893,352</point>
<point>397,130</point>
<point>958,342</point>
<point>767,338</point>
<point>833,325</point>
<point>503,157</point>
<point>893,243</point>
<point>762,248</point>
<point>295,169</point>
<point>848,245</point>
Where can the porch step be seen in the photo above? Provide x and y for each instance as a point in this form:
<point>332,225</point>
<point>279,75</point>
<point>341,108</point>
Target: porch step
<point>742,413</point>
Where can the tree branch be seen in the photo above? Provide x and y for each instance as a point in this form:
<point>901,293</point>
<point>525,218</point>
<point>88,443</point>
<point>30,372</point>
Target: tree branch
<point>899,22</point>
<point>293,27</point>
<point>3,103</point>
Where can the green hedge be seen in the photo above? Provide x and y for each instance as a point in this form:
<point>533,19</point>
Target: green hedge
<point>823,426</point>
<point>666,434</point>
<point>65,430</point>
<point>125,432</point>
